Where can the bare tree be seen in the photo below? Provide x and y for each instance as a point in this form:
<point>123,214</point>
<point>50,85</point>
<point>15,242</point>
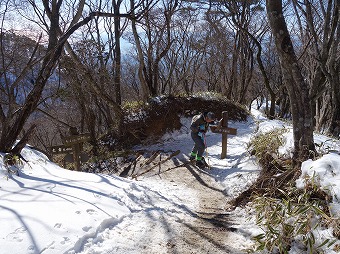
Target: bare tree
<point>183,64</point>
<point>157,26</point>
<point>228,63</point>
<point>19,60</point>
<point>180,64</point>
<point>297,88</point>
<point>256,31</point>
<point>93,68</point>
<point>320,34</point>
<point>59,29</point>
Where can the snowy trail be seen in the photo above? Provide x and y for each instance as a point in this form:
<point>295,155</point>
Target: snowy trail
<point>196,223</point>
<point>51,210</point>
<point>208,227</point>
<point>185,210</point>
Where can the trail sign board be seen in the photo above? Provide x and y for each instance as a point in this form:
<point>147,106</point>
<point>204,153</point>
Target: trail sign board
<point>60,149</point>
<point>225,130</point>
<point>76,139</point>
<point>72,147</point>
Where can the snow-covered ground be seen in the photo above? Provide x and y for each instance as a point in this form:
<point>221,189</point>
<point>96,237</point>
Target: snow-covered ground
<point>48,209</point>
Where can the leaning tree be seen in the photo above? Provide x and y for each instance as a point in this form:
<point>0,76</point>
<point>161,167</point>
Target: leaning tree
<point>59,24</point>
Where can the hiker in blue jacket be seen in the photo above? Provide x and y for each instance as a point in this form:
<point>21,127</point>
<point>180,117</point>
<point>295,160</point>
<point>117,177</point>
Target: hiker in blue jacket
<point>199,126</point>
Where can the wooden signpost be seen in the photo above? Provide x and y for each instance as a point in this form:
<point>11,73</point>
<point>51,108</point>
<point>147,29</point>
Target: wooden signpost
<point>72,147</point>
<point>224,130</point>
<point>75,141</point>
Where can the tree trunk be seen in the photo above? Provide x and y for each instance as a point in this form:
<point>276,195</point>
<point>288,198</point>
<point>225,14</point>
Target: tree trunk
<point>117,64</point>
<point>141,68</point>
<point>15,122</point>
<point>298,90</point>
<point>16,125</point>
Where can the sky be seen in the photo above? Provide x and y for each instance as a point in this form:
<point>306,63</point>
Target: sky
<point>50,210</point>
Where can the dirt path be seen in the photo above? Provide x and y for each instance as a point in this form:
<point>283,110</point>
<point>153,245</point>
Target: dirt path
<point>208,227</point>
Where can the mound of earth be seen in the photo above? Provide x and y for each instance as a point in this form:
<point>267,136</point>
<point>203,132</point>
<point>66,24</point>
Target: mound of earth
<point>162,114</point>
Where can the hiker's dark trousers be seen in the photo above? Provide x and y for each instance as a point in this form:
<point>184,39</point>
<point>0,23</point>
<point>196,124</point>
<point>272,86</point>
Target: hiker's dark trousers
<point>199,144</point>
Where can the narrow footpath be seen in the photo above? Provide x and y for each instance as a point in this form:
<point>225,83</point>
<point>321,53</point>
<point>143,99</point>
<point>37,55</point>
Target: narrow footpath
<point>203,221</point>
<point>184,210</point>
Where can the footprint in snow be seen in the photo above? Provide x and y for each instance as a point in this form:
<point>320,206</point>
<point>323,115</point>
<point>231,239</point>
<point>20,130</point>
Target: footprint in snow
<point>66,239</point>
<point>91,211</point>
<point>17,234</point>
<point>31,249</point>
<point>86,229</point>
<point>57,225</point>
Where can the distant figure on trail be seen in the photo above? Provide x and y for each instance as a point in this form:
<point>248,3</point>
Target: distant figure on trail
<point>199,126</point>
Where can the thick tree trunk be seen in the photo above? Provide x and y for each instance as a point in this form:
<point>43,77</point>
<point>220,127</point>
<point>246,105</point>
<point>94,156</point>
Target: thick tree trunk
<point>297,88</point>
